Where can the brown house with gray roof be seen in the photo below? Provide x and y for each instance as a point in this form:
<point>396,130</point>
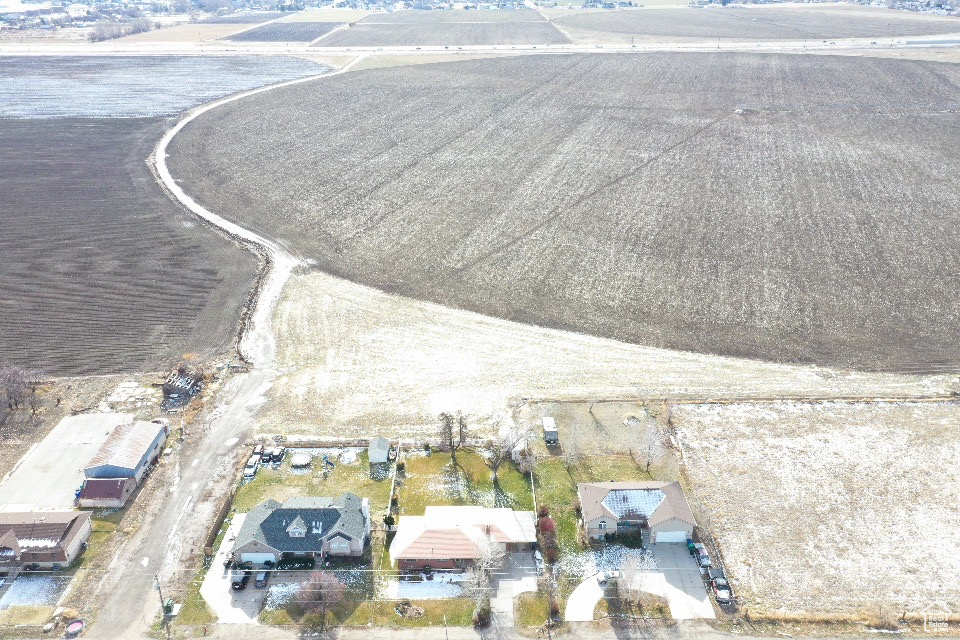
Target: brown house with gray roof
<point>658,508</point>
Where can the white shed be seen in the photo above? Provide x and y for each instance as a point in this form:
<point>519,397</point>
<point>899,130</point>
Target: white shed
<point>379,450</point>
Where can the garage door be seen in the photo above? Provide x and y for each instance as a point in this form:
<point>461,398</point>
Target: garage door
<point>256,558</point>
<point>671,536</point>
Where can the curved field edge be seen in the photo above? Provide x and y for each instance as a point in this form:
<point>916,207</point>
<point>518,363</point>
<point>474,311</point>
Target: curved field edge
<point>769,214</point>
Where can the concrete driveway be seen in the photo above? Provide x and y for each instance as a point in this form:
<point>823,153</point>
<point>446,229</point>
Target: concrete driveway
<point>677,579</point>
<point>518,575</point>
<point>583,600</point>
<point>230,607</point>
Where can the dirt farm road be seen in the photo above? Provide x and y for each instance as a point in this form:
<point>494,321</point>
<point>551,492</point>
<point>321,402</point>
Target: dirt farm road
<point>177,519</point>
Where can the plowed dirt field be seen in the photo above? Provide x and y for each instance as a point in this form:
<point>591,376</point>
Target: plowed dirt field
<point>780,207</point>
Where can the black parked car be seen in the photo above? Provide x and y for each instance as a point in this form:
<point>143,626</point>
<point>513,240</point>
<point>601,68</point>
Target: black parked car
<point>241,583</point>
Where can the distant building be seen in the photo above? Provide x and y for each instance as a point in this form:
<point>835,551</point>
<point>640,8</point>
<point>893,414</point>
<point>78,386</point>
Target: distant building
<point>379,451</point>
<point>304,528</point>
<point>129,451</point>
<point>452,538</point>
<point>106,493</point>
<point>659,508</point>
<point>44,539</point>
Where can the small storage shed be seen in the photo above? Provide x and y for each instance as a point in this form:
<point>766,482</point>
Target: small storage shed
<point>379,450</point>
<point>106,493</point>
<point>550,435</point>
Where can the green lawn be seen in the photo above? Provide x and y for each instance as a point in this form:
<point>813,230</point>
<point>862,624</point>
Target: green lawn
<point>454,612</point>
<point>557,487</point>
<point>195,609</point>
<point>435,480</point>
<point>280,484</point>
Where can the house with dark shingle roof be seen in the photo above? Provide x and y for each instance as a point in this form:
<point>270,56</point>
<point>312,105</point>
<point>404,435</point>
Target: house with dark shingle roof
<point>304,528</point>
<point>106,493</point>
<point>658,507</point>
<point>45,539</point>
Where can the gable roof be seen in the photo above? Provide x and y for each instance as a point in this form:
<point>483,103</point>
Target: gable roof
<point>270,522</point>
<point>126,446</point>
<point>459,532</point>
<point>41,530</point>
<point>656,501</point>
<point>104,488</point>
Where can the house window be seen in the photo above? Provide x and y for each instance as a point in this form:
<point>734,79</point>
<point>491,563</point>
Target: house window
<point>602,525</point>
<point>339,545</point>
<point>298,533</point>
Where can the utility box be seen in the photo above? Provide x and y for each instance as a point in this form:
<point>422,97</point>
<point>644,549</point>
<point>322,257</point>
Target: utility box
<point>550,435</point>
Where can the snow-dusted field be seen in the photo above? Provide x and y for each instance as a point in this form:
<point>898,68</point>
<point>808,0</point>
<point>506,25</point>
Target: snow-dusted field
<point>830,508</point>
<point>127,87</point>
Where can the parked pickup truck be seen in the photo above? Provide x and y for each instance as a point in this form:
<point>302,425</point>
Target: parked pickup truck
<point>721,590</point>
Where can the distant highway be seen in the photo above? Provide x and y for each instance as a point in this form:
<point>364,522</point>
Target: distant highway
<point>203,48</point>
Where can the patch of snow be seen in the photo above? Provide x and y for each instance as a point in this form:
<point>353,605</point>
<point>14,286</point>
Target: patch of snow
<point>632,502</point>
<point>443,585</point>
<point>29,590</point>
<point>578,566</point>
<point>37,543</point>
<point>280,594</point>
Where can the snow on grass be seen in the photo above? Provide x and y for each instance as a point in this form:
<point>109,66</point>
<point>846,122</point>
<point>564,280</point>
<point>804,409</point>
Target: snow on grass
<point>29,590</point>
<point>441,586</point>
<point>611,557</point>
<point>830,507</point>
<point>279,594</point>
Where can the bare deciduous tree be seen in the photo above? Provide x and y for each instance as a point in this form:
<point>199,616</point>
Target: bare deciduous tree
<point>650,438</point>
<point>321,592</point>
<point>15,385</point>
<point>453,431</point>
<point>501,449</point>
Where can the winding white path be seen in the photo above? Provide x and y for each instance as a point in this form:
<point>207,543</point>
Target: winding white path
<point>257,344</point>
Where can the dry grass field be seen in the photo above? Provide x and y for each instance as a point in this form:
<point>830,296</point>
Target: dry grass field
<point>101,271</point>
<point>285,32</point>
<point>355,361</point>
<point>830,509</point>
<point>193,32</point>
<point>737,22</point>
<point>252,17</point>
<point>788,208</point>
<point>448,28</point>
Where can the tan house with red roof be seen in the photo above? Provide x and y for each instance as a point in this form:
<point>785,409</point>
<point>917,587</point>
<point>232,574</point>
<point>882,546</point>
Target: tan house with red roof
<point>658,507</point>
<point>452,538</point>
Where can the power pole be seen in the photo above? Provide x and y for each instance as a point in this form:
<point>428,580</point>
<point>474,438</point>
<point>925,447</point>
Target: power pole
<point>156,578</point>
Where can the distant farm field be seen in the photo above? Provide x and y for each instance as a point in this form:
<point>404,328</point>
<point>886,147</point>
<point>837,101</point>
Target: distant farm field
<point>285,32</point>
<point>788,208</point>
<point>447,28</point>
<point>101,271</point>
<point>751,23</point>
<point>244,18</point>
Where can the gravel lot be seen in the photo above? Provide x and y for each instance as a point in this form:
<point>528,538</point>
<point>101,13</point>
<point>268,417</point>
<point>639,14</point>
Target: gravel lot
<point>751,24</point>
<point>830,508</point>
<point>788,208</point>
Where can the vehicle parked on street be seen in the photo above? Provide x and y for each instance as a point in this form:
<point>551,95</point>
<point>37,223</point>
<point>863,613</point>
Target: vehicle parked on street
<point>703,558</point>
<point>721,590</point>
